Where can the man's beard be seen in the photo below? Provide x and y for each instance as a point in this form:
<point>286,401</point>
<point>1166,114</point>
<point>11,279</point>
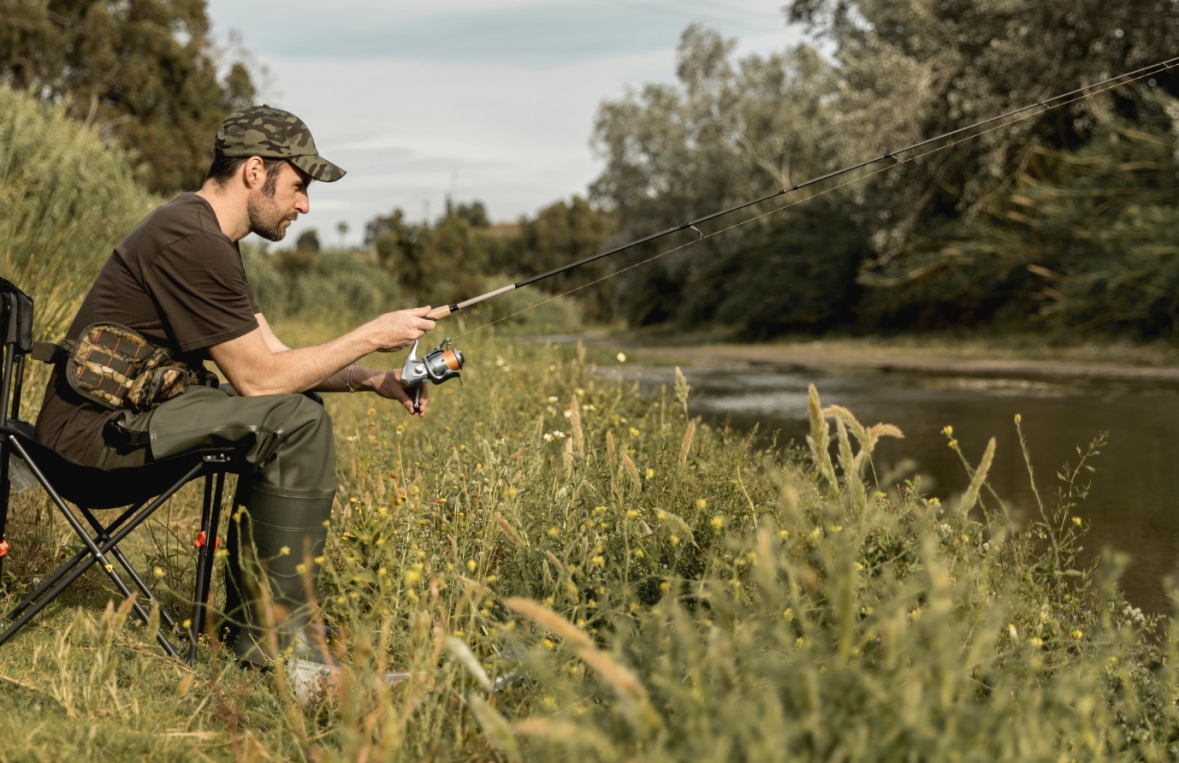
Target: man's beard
<point>266,219</point>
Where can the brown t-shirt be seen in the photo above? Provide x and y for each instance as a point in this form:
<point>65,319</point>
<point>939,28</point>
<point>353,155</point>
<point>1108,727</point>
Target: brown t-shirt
<point>178,281</point>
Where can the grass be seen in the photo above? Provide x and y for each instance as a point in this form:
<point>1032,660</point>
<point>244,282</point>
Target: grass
<point>664,591</point>
<point>67,200</point>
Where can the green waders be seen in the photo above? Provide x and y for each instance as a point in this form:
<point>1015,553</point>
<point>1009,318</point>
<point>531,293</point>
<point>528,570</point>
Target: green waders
<point>285,503</point>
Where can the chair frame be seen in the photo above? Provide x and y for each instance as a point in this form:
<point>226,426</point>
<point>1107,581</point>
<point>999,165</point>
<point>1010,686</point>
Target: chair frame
<point>101,541</point>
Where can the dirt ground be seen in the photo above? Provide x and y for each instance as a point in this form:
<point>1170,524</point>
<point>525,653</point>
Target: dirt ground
<point>1153,364</point>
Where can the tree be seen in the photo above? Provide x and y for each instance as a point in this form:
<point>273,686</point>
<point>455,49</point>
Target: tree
<point>436,263</point>
<point>561,233</point>
<point>474,212</point>
<point>142,71</point>
<point>912,69</point>
<point>726,132</point>
<point>1081,239</point>
<point>308,240</point>
<point>342,228</point>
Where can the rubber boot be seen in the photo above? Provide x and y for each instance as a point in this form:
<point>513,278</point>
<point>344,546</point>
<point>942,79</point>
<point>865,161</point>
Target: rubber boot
<point>270,539</point>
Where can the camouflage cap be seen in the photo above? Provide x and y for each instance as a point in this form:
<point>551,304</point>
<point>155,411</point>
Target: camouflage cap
<point>274,134</point>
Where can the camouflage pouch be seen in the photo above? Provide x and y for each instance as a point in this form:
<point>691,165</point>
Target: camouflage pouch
<point>117,368</point>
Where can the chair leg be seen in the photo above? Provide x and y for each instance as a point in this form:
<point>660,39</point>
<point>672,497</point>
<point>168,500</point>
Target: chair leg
<point>101,534</point>
<point>4,491</point>
<point>97,552</point>
<point>63,569</point>
<point>206,555</point>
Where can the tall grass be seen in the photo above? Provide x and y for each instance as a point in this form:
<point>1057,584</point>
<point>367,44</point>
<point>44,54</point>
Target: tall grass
<point>648,588</point>
<point>66,199</point>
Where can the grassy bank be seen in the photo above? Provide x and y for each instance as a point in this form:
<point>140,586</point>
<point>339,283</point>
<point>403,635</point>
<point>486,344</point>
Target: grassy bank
<point>665,591</point>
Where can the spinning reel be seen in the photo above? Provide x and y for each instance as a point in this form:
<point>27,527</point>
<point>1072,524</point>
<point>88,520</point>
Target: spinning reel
<point>436,366</point>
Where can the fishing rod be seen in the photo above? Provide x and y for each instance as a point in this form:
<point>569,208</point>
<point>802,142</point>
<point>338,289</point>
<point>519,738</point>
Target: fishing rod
<point>441,364</point>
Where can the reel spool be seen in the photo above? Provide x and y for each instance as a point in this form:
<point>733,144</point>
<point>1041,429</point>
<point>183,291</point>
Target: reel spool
<point>441,364</point>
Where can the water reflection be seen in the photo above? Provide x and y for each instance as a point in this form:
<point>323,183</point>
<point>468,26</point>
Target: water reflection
<point>1134,496</point>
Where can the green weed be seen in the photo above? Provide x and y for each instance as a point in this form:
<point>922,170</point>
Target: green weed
<point>636,585</point>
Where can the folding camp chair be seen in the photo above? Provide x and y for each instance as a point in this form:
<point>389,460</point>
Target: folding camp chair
<point>139,490</point>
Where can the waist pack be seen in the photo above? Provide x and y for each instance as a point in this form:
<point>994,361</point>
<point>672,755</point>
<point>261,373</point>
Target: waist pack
<point>118,368</point>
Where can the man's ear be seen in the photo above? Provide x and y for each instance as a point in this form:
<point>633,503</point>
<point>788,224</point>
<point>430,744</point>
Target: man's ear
<point>253,172</point>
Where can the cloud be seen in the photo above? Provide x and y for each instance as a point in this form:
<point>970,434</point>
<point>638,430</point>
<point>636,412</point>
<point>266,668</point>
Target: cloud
<point>486,99</point>
<point>533,34</point>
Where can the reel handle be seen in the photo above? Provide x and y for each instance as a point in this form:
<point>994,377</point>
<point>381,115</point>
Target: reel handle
<point>417,397</point>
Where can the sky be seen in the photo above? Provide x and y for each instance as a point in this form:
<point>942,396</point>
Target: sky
<point>482,99</point>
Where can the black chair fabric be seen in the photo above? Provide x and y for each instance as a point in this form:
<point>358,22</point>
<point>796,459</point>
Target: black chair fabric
<point>96,488</point>
<point>18,317</point>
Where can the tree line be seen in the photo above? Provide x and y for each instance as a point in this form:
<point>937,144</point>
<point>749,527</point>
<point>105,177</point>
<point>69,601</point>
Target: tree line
<point>1063,220</point>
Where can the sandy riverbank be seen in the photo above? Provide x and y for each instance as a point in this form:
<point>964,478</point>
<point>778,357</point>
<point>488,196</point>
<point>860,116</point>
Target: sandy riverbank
<point>1116,363</point>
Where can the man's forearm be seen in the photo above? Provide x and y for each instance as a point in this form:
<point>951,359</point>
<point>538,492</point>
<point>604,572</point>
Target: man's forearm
<point>254,369</point>
<point>361,380</point>
<point>258,363</point>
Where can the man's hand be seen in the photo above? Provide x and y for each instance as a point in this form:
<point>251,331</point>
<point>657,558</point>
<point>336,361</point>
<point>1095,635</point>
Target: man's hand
<point>387,384</point>
<point>398,330</point>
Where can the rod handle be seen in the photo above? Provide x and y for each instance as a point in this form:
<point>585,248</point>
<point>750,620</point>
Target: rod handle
<point>440,312</point>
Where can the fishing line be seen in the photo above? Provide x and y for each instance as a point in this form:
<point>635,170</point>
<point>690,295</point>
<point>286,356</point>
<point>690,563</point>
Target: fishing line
<point>1019,114</point>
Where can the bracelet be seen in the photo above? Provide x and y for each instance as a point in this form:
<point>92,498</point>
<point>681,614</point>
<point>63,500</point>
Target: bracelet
<point>348,378</point>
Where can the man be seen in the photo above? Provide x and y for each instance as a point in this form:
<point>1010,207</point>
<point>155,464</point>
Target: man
<point>178,280</point>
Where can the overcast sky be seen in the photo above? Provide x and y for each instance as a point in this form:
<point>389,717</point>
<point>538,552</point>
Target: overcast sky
<point>488,99</point>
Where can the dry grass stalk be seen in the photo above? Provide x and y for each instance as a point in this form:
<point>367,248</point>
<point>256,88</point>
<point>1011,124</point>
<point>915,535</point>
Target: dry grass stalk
<point>980,476</point>
<point>464,656</point>
<point>819,439</point>
<point>510,531</point>
<point>567,458</point>
<point>633,471</point>
<point>578,435</point>
<point>495,726</point>
<point>686,447</point>
<point>623,681</point>
<point>549,619</point>
<point>566,733</point>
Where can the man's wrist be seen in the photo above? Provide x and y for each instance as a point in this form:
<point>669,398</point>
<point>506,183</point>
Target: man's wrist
<point>363,379</point>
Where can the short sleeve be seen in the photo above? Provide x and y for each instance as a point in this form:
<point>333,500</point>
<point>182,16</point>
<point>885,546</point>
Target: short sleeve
<point>200,286</point>
<point>253,299</point>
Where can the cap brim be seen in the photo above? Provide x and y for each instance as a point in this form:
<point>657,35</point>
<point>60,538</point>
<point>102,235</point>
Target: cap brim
<point>318,167</point>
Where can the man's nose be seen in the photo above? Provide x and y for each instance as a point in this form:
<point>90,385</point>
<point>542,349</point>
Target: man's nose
<point>303,204</point>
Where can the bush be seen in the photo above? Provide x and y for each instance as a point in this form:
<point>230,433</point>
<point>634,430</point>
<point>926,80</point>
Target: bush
<point>67,198</point>
<point>329,284</point>
<point>528,310</point>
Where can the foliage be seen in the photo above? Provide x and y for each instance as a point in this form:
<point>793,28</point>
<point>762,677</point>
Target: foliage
<point>1081,239</point>
<point>308,240</point>
<point>439,264</point>
<point>290,282</point>
<point>561,233</point>
<point>143,72</point>
<point>726,132</point>
<point>929,237</point>
<point>452,259</point>
<point>67,200</point>
<point>910,70</point>
<point>647,588</point>
<point>797,273</point>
